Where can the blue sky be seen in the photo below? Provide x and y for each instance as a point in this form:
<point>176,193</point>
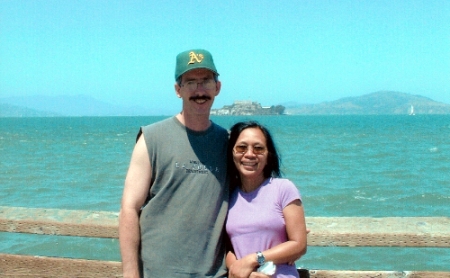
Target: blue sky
<point>273,52</point>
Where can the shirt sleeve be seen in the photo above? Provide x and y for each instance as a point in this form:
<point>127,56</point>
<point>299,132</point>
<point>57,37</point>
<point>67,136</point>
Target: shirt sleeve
<point>288,192</point>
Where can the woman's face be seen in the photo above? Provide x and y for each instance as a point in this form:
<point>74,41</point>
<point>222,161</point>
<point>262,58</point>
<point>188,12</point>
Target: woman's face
<point>250,153</point>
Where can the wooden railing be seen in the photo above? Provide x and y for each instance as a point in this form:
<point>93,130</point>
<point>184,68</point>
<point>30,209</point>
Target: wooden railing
<point>325,231</point>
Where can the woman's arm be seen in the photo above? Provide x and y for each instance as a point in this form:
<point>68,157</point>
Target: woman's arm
<point>296,243</point>
<point>240,268</point>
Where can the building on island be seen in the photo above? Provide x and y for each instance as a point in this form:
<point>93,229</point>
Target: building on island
<point>248,107</point>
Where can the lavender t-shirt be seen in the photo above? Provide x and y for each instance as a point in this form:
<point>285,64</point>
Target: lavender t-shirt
<point>256,222</point>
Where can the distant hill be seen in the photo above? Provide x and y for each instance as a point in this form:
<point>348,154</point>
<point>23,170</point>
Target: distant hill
<point>8,110</point>
<point>72,106</point>
<point>383,103</point>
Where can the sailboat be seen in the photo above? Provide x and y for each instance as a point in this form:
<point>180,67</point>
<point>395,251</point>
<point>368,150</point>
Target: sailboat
<point>411,111</point>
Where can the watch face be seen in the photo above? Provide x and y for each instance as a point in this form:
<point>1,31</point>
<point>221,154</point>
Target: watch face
<point>261,258</point>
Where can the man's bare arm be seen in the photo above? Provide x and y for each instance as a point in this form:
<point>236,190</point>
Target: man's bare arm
<point>137,185</point>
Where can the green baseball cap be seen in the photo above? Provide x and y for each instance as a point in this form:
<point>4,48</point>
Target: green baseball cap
<point>194,59</point>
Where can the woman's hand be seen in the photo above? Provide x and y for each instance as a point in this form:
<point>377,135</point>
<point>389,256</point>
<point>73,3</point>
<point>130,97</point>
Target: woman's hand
<point>242,268</point>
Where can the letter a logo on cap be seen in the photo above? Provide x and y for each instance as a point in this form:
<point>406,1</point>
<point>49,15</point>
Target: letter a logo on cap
<point>195,57</point>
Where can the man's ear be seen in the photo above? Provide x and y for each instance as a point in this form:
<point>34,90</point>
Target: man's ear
<point>177,90</point>
<point>218,87</point>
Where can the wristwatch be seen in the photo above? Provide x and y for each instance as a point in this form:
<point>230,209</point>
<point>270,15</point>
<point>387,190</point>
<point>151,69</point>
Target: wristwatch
<point>260,258</point>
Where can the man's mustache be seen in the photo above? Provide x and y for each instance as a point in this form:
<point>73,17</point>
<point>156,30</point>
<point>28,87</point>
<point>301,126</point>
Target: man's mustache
<point>200,97</point>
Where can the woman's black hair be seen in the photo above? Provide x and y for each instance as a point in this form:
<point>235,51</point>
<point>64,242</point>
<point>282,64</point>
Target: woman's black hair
<point>272,168</point>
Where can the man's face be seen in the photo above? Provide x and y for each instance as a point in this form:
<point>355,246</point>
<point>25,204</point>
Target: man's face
<point>198,90</point>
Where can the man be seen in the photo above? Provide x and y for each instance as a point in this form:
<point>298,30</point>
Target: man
<point>175,197</point>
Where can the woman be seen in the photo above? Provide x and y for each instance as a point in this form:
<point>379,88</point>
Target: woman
<point>266,219</point>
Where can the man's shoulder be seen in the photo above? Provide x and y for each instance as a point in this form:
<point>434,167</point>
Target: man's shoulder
<point>156,128</point>
<point>164,122</point>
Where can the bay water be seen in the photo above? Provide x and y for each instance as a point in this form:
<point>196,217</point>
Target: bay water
<point>376,166</point>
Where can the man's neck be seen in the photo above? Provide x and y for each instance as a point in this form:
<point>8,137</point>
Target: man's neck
<point>194,122</point>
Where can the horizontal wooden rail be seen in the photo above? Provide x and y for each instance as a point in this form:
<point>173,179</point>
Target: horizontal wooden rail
<point>34,266</point>
<point>325,231</point>
<point>103,224</point>
<point>384,231</point>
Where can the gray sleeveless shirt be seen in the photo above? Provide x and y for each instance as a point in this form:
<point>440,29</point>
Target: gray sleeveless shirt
<point>182,223</point>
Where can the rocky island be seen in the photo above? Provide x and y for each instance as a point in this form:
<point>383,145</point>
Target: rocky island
<point>247,107</point>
